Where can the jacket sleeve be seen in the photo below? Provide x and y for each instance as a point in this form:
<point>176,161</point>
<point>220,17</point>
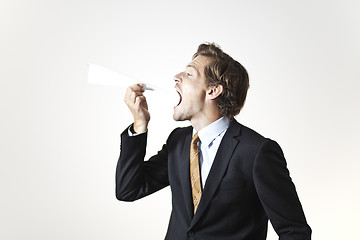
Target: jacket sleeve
<point>277,193</point>
<point>136,178</point>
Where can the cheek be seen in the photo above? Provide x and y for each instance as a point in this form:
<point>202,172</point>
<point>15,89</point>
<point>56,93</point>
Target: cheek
<point>193,96</point>
<point>194,91</point>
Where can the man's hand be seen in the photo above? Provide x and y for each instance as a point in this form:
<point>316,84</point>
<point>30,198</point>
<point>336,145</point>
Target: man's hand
<point>136,102</point>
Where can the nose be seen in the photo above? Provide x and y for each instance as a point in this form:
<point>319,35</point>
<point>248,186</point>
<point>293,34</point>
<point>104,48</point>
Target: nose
<point>178,78</point>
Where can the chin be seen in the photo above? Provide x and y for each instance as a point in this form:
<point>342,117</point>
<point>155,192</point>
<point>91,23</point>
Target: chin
<point>178,116</point>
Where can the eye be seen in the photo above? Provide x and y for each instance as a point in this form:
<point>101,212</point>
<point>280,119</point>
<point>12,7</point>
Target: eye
<point>188,74</point>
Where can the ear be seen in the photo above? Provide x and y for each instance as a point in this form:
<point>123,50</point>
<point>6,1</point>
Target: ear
<point>214,91</point>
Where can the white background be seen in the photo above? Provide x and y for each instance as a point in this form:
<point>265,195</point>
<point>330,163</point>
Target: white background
<point>59,139</point>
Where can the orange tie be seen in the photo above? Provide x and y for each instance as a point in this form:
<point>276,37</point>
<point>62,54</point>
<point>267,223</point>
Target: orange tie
<point>195,171</point>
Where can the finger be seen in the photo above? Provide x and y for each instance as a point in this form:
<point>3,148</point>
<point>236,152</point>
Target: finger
<point>138,87</point>
<point>135,88</point>
<point>134,96</point>
<point>140,101</point>
<point>131,94</point>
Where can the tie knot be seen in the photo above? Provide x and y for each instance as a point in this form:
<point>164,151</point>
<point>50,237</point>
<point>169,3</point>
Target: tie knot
<point>195,139</point>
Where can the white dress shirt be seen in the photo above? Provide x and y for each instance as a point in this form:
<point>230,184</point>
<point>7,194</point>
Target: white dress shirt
<point>210,139</point>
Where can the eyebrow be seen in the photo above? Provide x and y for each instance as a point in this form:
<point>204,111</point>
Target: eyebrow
<point>192,66</point>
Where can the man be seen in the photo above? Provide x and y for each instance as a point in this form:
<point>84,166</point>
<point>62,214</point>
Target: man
<point>226,182</point>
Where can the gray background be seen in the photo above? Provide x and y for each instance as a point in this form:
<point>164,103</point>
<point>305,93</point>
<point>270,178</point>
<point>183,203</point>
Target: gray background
<point>59,138</point>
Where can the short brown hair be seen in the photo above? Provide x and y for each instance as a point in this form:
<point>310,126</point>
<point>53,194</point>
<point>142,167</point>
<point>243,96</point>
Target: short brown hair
<point>230,74</point>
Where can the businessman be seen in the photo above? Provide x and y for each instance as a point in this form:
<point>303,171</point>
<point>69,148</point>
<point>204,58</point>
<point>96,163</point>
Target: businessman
<point>226,180</point>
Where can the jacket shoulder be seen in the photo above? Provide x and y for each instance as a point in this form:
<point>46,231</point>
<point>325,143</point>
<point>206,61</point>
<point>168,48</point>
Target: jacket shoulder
<point>249,138</point>
<point>179,133</point>
<point>245,133</point>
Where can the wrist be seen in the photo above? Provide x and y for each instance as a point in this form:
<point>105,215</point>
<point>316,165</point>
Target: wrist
<point>140,126</point>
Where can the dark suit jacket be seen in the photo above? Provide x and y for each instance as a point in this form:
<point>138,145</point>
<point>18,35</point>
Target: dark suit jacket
<point>248,184</point>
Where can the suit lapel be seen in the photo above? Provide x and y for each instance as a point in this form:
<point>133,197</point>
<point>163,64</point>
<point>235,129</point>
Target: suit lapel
<point>218,169</point>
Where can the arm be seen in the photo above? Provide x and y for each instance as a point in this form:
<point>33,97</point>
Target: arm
<point>278,194</point>
<point>136,178</point>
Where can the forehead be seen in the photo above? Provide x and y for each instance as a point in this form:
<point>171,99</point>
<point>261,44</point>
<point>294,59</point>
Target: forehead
<point>200,62</point>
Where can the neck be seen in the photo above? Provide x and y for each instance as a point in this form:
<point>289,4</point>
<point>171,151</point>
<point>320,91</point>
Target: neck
<point>204,121</point>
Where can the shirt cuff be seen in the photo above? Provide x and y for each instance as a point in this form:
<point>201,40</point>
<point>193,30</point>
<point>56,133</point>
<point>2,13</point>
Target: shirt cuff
<point>131,131</point>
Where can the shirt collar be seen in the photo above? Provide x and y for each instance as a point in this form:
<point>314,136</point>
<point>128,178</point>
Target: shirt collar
<point>210,132</point>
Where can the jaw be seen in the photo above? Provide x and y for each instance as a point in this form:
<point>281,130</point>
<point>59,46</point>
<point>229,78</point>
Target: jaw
<point>199,116</point>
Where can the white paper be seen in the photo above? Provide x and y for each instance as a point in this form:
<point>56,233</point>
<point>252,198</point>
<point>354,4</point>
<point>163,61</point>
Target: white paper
<point>103,76</point>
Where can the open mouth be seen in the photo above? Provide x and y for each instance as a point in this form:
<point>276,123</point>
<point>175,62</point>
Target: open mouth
<point>180,98</point>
